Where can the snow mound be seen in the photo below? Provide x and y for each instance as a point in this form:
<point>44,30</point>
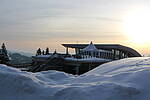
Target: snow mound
<point>126,79</point>
<point>18,85</point>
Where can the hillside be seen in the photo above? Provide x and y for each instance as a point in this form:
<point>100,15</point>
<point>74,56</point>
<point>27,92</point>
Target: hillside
<point>17,58</point>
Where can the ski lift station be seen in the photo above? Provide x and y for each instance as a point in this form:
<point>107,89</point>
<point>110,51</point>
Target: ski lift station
<point>89,56</point>
<point>85,58</point>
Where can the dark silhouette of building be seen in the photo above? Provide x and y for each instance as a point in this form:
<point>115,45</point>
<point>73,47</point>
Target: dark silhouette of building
<point>86,57</point>
<point>118,51</point>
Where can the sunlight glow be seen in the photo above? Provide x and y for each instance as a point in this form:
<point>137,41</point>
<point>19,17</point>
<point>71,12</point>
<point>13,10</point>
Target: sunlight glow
<point>137,25</point>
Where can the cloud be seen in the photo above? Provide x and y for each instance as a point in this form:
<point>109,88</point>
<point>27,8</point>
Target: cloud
<point>39,20</point>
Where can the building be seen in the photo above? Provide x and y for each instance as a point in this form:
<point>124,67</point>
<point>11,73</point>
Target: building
<point>92,52</point>
<point>89,56</point>
<point>118,51</point>
<point>86,57</point>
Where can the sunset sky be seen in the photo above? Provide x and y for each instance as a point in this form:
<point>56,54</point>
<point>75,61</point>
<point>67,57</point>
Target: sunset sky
<point>26,25</point>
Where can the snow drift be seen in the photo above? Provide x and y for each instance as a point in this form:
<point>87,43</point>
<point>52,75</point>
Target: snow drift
<point>126,79</point>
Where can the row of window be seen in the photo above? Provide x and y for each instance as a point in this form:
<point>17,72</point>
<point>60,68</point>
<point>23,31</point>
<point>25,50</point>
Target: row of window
<point>105,55</point>
<point>114,54</point>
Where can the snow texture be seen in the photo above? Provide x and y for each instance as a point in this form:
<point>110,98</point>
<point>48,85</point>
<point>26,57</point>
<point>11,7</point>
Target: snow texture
<point>126,79</point>
<point>42,56</point>
<point>90,47</point>
<point>92,59</point>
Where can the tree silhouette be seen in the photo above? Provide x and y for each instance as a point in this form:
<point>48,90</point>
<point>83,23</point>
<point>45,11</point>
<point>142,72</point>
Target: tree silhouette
<point>4,58</point>
<point>55,52</point>
<point>38,52</point>
<point>43,52</point>
<point>47,51</point>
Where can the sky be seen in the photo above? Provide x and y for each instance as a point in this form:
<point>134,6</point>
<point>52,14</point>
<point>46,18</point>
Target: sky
<point>26,25</point>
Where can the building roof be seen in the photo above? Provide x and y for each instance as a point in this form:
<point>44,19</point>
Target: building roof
<point>90,47</point>
<point>131,52</point>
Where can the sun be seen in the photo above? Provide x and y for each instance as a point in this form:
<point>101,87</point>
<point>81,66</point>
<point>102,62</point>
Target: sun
<point>136,25</point>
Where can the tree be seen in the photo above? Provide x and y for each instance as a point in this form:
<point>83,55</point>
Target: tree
<point>38,52</point>
<point>55,52</point>
<point>4,58</point>
<point>43,52</point>
<point>4,51</point>
<point>47,51</point>
<point>3,46</point>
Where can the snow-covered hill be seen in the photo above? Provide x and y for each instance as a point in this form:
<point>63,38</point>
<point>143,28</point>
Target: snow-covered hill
<point>17,58</point>
<point>126,79</point>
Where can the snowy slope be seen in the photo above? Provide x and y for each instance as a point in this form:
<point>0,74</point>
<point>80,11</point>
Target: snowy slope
<point>126,79</point>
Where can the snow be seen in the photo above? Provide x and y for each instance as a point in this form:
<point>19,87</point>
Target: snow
<point>42,56</point>
<point>92,59</point>
<point>90,47</point>
<point>126,79</point>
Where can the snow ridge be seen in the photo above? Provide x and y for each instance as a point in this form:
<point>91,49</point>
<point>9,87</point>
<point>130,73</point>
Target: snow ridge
<point>126,79</point>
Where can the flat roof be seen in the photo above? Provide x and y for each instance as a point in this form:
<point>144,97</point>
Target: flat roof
<point>131,52</point>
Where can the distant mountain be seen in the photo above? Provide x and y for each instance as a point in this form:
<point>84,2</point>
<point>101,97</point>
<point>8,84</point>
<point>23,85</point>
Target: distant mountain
<point>26,54</point>
<point>22,53</point>
<point>17,58</point>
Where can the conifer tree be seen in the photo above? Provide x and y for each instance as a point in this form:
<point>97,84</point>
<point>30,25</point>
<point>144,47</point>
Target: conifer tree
<point>4,55</point>
<point>3,46</point>
<point>4,51</point>
<point>55,52</point>
<point>43,52</point>
<point>38,52</point>
<point>47,51</point>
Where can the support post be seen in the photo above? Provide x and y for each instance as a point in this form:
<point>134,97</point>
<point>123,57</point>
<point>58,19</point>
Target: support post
<point>77,51</point>
<point>77,70</point>
<point>114,54</point>
<point>67,50</point>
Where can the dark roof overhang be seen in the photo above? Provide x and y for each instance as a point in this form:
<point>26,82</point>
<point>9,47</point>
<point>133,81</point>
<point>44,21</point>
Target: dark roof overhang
<point>131,52</point>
